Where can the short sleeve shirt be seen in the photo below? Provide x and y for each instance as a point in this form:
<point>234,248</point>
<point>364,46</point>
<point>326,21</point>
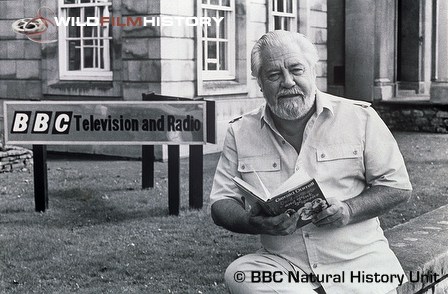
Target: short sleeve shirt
<point>347,148</point>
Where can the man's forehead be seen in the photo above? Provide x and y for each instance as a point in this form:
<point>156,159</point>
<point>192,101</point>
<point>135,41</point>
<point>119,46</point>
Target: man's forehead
<point>281,54</point>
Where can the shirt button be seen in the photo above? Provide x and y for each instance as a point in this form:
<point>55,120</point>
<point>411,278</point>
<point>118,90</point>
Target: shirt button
<point>297,168</point>
<point>307,235</point>
<point>315,265</point>
<point>355,152</point>
<point>283,142</point>
<point>274,164</point>
<point>322,155</point>
<point>243,166</point>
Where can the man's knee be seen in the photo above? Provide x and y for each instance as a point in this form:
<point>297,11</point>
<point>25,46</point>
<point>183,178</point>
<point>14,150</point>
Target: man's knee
<point>234,271</point>
<point>237,274</point>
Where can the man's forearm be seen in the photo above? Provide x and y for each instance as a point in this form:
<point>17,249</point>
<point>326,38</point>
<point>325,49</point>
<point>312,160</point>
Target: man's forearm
<point>375,201</point>
<point>230,215</point>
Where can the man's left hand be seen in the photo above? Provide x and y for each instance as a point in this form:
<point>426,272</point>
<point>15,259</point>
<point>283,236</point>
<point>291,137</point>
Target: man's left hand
<point>337,214</point>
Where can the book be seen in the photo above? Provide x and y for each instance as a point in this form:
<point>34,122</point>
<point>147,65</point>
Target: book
<point>299,193</point>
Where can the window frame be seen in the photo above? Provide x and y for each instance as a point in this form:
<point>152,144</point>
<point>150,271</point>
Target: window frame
<point>85,74</point>
<point>220,75</point>
<point>273,12</point>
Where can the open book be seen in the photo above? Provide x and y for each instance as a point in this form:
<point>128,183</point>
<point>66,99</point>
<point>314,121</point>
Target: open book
<point>299,192</point>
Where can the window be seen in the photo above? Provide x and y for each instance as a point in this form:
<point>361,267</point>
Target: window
<point>282,15</point>
<point>84,51</point>
<point>218,40</point>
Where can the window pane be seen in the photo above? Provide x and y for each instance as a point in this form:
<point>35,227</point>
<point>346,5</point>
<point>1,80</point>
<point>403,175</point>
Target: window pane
<point>204,55</point>
<point>289,6</point>
<point>211,30</point>
<point>74,12</point>
<point>223,56</point>
<point>101,60</point>
<point>226,3</point>
<point>73,31</point>
<point>280,7</point>
<point>211,50</point>
<point>74,55</point>
<point>69,1</point>
<point>223,25</point>
<point>277,23</point>
<point>88,57</point>
<point>90,32</point>
<point>286,22</point>
<point>89,12</point>
<point>89,43</point>
<point>214,2</point>
<point>211,66</point>
<point>204,2</point>
<point>86,1</point>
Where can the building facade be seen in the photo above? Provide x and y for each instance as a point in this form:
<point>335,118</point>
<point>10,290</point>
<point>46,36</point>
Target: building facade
<point>388,49</point>
<point>374,50</point>
<point>123,61</point>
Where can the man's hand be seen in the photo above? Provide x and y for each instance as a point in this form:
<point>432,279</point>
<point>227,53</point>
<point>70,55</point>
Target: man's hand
<point>337,214</point>
<point>283,224</point>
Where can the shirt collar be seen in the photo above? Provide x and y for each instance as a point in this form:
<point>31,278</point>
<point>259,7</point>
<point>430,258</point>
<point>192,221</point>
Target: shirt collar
<point>322,102</point>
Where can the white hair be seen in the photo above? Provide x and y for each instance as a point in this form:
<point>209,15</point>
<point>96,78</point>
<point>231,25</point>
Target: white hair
<point>280,38</point>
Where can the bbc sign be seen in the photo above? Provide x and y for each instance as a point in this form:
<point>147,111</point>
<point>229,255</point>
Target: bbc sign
<point>128,123</point>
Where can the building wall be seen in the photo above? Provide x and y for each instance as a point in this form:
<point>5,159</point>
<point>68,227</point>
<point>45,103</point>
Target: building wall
<point>144,60</point>
<point>20,64</point>
<point>318,34</point>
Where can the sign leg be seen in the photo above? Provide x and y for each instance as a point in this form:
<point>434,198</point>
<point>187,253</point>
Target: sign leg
<point>40,177</point>
<point>196,163</point>
<point>173,180</point>
<point>147,166</point>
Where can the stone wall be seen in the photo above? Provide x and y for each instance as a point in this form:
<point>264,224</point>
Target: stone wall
<point>414,117</point>
<point>14,158</point>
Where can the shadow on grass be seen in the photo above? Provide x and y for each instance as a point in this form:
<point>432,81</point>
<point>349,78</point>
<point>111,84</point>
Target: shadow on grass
<point>79,207</point>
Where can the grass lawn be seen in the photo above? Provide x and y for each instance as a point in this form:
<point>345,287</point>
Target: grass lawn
<point>103,234</point>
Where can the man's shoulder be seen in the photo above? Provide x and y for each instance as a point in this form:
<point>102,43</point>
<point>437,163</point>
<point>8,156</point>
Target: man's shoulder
<point>350,107</point>
<point>251,116</point>
<point>347,102</point>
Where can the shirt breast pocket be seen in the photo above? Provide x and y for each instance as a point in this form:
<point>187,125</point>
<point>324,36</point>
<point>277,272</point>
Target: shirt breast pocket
<point>265,168</point>
<point>340,162</point>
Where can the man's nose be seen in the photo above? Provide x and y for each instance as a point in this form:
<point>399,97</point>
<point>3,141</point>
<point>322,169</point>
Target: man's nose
<point>288,81</point>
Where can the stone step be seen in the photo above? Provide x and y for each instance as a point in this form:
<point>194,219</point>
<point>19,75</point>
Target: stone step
<point>421,247</point>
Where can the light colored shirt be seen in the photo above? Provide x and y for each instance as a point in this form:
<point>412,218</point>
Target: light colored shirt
<point>346,147</point>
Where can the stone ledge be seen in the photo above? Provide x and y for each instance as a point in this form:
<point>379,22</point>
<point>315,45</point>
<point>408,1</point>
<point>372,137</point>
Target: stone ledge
<point>421,247</point>
<point>13,158</point>
<point>418,116</point>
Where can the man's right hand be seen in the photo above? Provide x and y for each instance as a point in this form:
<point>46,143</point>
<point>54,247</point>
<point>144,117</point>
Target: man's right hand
<point>283,224</point>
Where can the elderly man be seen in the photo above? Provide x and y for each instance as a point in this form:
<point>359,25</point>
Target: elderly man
<point>341,143</point>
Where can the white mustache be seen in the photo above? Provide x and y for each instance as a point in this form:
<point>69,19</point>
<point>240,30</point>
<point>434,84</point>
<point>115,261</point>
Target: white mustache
<point>292,91</point>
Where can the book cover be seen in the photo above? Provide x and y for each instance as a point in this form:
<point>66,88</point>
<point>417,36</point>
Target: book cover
<point>306,197</point>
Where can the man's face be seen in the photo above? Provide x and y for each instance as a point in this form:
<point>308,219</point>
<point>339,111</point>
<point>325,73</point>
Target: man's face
<point>287,81</point>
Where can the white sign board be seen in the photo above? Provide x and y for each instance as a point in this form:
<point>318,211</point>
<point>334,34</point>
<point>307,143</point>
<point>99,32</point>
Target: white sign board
<point>107,123</point>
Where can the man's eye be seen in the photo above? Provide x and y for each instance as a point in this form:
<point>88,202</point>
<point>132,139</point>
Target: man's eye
<point>274,76</point>
<point>297,71</point>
